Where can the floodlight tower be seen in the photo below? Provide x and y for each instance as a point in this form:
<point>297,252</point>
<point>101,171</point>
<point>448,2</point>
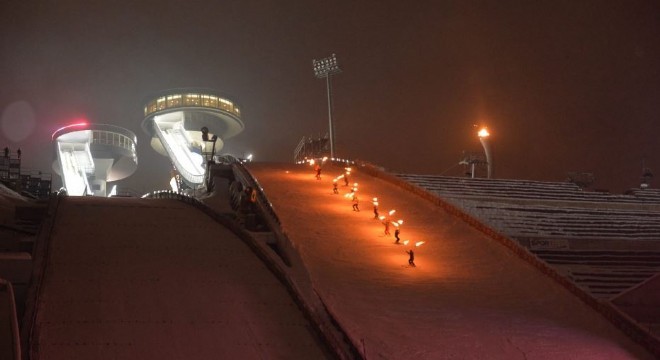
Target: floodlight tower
<point>483,138</point>
<point>181,122</point>
<point>90,155</point>
<point>325,68</point>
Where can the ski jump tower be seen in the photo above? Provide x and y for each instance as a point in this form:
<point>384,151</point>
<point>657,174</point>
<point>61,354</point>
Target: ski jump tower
<point>90,155</point>
<point>175,118</point>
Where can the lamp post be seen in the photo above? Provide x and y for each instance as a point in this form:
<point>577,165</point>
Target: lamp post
<point>483,138</point>
<point>325,68</point>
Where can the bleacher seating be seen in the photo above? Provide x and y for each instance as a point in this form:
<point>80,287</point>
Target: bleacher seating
<point>565,216</point>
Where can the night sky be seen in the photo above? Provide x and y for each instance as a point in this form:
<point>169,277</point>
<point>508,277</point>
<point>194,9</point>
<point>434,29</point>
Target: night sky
<point>562,85</point>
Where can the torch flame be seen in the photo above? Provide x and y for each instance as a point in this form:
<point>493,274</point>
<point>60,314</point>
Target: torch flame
<point>375,199</point>
<point>381,217</point>
<point>483,132</point>
<point>392,212</point>
<point>405,242</point>
<point>400,222</point>
<point>420,243</point>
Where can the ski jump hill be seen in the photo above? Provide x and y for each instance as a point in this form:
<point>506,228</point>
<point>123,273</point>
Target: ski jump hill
<point>299,276</point>
<point>474,293</point>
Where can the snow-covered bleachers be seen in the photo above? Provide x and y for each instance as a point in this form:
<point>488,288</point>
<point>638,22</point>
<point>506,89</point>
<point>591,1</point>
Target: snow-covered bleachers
<point>453,187</point>
<point>604,243</point>
<point>604,273</point>
<point>531,220</point>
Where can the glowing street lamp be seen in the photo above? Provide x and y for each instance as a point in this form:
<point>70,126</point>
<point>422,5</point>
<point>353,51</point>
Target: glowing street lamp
<point>483,138</point>
<point>325,68</point>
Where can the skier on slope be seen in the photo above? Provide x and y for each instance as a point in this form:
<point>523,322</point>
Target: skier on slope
<point>411,260</point>
<point>355,202</point>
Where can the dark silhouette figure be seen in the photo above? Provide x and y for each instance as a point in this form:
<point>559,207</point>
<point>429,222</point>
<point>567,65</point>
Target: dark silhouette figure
<point>334,187</point>
<point>386,222</point>
<point>345,179</point>
<point>411,260</point>
<point>396,235</point>
<point>6,152</point>
<point>355,203</point>
<point>318,172</point>
<point>18,152</point>
<point>375,211</point>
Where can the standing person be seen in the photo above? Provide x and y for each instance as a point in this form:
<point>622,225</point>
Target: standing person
<point>318,171</point>
<point>355,202</point>
<point>411,259</point>
<point>375,208</point>
<point>334,187</point>
<point>386,222</point>
<point>396,235</point>
<point>346,173</point>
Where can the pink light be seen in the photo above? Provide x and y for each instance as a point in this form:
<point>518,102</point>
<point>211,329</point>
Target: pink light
<point>82,124</point>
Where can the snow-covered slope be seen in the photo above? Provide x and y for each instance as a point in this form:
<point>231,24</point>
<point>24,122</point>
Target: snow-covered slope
<point>468,298</point>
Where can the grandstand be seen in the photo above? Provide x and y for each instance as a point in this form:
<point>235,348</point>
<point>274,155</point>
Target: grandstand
<point>605,243</point>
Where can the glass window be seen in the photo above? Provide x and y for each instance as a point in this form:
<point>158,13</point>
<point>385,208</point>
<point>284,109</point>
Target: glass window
<point>174,100</point>
<point>213,101</point>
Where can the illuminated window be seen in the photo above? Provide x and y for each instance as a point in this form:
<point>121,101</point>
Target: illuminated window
<point>191,99</point>
<point>173,100</point>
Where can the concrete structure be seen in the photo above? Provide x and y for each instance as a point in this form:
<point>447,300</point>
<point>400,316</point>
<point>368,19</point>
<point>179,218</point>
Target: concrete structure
<point>90,155</point>
<point>174,119</point>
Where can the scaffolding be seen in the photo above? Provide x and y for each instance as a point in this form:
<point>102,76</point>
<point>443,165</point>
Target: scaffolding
<point>310,148</point>
<point>30,183</point>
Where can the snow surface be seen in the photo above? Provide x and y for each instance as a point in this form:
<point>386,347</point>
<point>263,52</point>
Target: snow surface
<point>134,278</point>
<point>468,298</point>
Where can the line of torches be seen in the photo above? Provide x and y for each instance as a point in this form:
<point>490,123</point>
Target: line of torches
<point>354,189</point>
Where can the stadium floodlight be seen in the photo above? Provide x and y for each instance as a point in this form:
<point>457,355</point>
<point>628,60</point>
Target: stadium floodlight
<point>325,68</point>
<point>483,138</point>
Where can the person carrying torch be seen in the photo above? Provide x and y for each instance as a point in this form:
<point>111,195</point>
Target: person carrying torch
<point>375,202</point>
<point>411,259</point>
<point>355,202</point>
<point>317,168</point>
<point>386,222</point>
<point>334,187</point>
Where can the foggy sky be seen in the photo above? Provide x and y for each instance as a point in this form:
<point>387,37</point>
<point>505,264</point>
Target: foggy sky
<point>562,85</point>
